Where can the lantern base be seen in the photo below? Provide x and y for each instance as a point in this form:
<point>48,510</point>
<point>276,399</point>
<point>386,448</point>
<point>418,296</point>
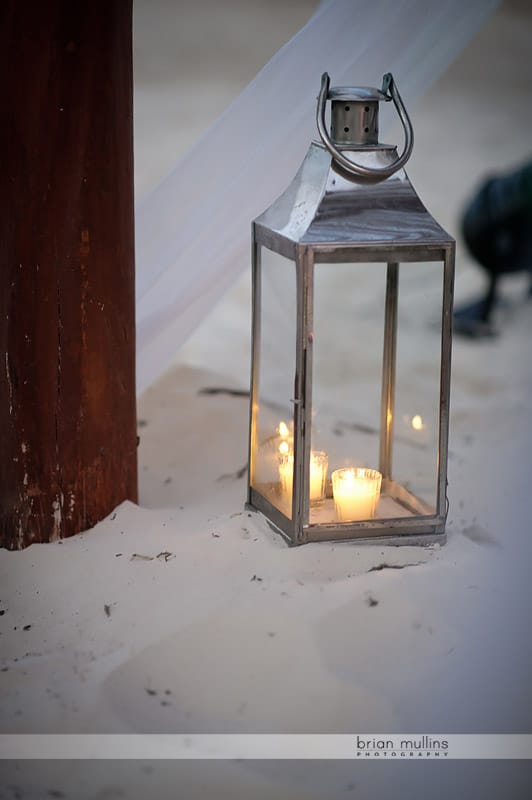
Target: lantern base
<point>388,507</point>
<point>382,537</point>
<point>406,530</point>
<point>389,537</point>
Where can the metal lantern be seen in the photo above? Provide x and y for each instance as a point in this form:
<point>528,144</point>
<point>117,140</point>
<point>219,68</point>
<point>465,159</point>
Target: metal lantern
<point>348,432</point>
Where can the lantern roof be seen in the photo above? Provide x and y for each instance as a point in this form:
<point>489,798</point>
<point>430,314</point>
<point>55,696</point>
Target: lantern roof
<point>325,207</point>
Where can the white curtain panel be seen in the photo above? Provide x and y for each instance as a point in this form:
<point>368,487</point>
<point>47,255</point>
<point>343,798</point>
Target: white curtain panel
<point>193,229</point>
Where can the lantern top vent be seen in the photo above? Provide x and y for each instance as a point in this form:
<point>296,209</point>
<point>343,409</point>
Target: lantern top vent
<point>355,125</point>
<point>356,94</point>
<point>355,115</point>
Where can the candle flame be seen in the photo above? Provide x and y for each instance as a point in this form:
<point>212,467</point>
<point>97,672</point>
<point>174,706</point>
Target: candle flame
<point>283,430</point>
<point>417,422</point>
<point>283,447</point>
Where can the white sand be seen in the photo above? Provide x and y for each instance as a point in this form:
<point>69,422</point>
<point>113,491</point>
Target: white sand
<point>126,639</point>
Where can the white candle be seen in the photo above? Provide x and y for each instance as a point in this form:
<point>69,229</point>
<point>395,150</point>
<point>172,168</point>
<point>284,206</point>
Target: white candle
<point>356,492</point>
<point>318,474</point>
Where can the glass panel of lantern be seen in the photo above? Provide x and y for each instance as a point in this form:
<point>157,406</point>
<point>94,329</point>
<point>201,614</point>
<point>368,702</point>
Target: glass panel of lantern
<point>272,461</point>
<point>394,475</point>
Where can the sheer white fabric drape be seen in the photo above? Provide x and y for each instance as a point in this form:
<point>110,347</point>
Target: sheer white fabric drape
<point>193,230</point>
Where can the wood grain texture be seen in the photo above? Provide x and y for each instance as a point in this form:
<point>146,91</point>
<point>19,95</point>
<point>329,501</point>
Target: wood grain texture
<point>67,328</point>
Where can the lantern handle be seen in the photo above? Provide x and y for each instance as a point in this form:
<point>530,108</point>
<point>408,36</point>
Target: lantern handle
<point>389,92</point>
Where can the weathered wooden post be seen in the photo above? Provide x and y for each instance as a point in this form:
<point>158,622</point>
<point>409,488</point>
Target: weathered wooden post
<point>67,325</point>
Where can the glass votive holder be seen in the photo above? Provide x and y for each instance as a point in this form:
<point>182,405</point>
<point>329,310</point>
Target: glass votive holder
<point>286,474</point>
<point>356,492</point>
<point>319,463</point>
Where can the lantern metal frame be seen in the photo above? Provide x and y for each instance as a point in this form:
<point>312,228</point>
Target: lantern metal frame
<point>326,216</point>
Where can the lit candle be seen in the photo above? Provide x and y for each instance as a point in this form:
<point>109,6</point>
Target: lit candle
<point>318,473</point>
<point>356,492</point>
<point>283,430</point>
